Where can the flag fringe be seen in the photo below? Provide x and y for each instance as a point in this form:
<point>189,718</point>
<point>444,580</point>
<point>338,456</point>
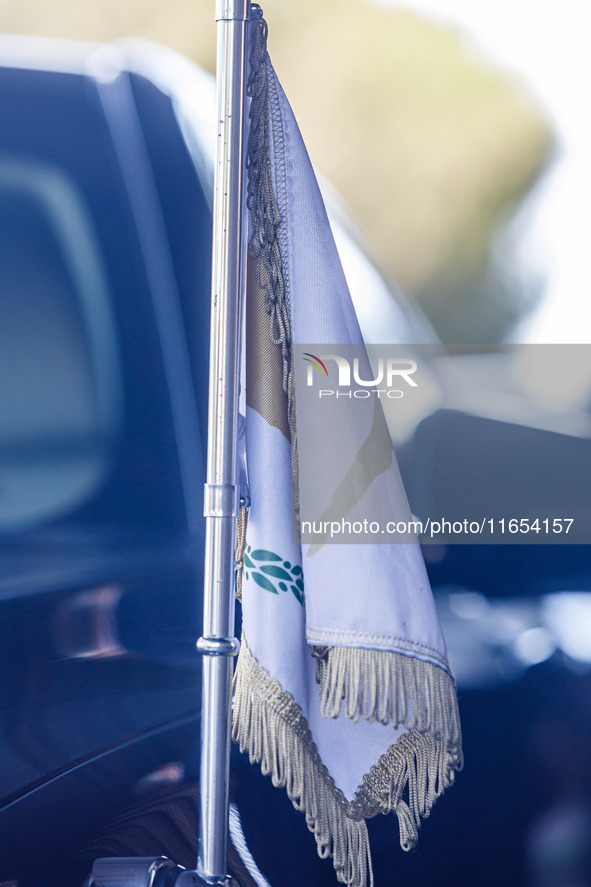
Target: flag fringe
<point>418,762</point>
<point>270,726</point>
<point>389,687</point>
<point>265,242</point>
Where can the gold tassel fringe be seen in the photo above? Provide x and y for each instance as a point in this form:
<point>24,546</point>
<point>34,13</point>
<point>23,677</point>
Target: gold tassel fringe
<point>393,688</point>
<point>270,726</point>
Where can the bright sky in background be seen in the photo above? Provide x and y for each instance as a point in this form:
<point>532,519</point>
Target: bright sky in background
<point>547,45</point>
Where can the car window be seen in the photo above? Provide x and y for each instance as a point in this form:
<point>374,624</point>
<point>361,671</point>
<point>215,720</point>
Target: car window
<point>60,391</point>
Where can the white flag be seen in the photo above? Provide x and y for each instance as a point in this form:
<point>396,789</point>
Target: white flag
<point>343,692</point>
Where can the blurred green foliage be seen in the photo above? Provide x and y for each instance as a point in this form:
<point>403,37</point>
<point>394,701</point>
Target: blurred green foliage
<point>429,145</point>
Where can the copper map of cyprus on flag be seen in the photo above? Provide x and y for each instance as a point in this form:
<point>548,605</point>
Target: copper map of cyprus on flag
<point>343,694</point>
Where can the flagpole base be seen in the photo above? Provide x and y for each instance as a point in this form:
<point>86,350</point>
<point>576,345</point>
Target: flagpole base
<point>194,879</point>
<point>155,871</point>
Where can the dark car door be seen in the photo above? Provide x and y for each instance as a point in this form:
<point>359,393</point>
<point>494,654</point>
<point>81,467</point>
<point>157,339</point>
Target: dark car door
<point>104,288</point>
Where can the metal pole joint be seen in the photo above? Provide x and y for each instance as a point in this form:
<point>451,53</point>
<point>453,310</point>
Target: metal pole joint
<point>220,500</point>
<point>218,646</point>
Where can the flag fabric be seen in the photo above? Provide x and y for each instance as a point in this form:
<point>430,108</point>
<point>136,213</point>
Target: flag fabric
<point>343,693</point>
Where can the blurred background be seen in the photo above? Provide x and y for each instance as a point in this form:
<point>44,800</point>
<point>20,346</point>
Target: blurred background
<point>454,131</point>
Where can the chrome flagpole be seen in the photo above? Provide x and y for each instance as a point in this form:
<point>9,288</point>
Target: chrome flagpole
<point>221,503</point>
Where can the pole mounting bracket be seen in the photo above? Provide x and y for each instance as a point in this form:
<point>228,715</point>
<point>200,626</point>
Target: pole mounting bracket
<point>146,871</point>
